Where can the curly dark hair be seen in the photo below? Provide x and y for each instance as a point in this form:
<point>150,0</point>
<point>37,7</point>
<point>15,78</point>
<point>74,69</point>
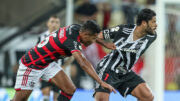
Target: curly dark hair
<point>145,15</point>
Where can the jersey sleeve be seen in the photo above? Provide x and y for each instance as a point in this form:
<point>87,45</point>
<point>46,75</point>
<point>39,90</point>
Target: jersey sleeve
<point>111,33</point>
<point>73,46</point>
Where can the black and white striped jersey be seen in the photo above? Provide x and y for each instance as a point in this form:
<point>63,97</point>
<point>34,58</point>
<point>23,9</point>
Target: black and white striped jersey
<point>43,35</point>
<point>127,51</point>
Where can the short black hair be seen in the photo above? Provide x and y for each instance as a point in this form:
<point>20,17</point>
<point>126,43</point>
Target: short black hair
<point>145,15</point>
<point>54,16</point>
<point>91,26</point>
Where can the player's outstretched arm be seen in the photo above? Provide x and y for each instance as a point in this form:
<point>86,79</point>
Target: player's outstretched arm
<point>87,67</point>
<point>100,40</point>
<point>68,62</point>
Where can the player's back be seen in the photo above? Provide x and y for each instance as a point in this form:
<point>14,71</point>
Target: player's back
<point>57,45</point>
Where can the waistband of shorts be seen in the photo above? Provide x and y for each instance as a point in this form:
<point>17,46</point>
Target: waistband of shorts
<point>122,70</point>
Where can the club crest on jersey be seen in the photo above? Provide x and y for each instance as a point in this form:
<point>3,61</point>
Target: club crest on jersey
<point>106,31</point>
<point>32,84</point>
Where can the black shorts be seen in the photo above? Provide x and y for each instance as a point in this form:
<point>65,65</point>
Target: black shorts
<point>54,88</point>
<point>124,83</point>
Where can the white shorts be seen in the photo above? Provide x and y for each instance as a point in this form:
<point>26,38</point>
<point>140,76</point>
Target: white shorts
<point>27,78</point>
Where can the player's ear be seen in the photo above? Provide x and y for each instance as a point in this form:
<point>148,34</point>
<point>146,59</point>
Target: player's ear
<point>144,23</point>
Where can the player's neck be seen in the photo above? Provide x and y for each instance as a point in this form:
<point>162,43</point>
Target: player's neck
<point>50,31</point>
<point>138,33</point>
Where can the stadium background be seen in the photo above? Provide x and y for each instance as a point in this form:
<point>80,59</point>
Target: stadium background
<point>21,21</point>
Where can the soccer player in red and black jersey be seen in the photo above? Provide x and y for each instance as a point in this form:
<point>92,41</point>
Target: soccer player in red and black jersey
<point>61,43</point>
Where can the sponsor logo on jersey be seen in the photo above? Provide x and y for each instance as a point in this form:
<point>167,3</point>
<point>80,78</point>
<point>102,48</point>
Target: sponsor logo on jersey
<point>129,50</point>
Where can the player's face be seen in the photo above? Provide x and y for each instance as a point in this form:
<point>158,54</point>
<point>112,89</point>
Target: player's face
<point>87,38</point>
<point>151,26</point>
<point>53,24</point>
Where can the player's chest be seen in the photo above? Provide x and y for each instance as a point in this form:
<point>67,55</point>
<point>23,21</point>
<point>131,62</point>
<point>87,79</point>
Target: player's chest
<point>133,47</point>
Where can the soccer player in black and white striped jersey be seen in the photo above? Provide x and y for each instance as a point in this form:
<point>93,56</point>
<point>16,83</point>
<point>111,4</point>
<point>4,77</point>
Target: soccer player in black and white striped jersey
<point>131,42</point>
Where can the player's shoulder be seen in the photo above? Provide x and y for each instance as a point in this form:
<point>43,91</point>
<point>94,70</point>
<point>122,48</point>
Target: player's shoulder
<point>74,27</point>
<point>122,27</point>
<point>151,36</point>
<point>128,26</point>
<point>73,30</point>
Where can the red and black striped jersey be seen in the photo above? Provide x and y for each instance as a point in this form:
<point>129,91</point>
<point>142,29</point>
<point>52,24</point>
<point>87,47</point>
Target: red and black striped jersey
<point>57,45</point>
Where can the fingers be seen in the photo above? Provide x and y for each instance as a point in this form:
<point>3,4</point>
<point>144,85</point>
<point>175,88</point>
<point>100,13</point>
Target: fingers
<point>109,87</point>
<point>111,46</point>
<point>114,47</point>
<point>114,90</point>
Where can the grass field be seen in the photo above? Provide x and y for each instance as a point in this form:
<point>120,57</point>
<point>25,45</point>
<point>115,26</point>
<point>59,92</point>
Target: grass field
<point>10,92</point>
<point>86,95</point>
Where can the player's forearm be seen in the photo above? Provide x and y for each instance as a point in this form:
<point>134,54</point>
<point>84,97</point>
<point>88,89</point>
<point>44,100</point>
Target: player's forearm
<point>88,68</point>
<point>68,62</point>
<point>101,42</point>
<point>100,39</point>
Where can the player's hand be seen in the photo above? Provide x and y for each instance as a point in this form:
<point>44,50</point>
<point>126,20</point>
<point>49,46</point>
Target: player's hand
<point>107,86</point>
<point>110,45</point>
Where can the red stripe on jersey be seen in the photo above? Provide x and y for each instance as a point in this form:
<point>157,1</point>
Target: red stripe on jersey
<point>33,61</point>
<point>75,51</point>
<point>39,59</point>
<point>49,52</point>
<point>42,59</point>
<point>31,57</point>
<point>27,65</point>
<point>55,46</point>
<point>59,30</point>
<point>49,80</point>
<point>23,60</point>
<point>62,39</point>
<point>78,38</point>
<point>40,65</point>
